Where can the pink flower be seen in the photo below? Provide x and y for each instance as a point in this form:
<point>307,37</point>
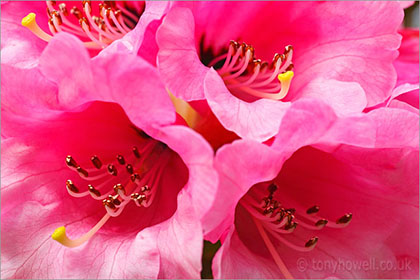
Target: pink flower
<point>342,53</point>
<point>326,197</point>
<point>133,192</point>
<point>124,26</point>
<point>406,92</point>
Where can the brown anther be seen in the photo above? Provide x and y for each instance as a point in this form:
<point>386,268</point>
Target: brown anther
<point>118,187</point>
<point>134,195</point>
<point>51,25</point>
<point>102,26</point>
<point>145,189</point>
<point>84,22</point>
<point>129,168</point>
<point>288,49</point>
<point>112,170</point>
<point>311,242</point>
<point>321,223</point>
<point>290,218</point>
<point>96,162</point>
<point>71,162</point>
<point>87,2</point>
<point>56,15</point>
<point>96,19</point>
<point>234,45</point>
<point>82,171</point>
<point>276,58</point>
<point>76,12</point>
<point>251,49</point>
<point>314,209</point>
<point>120,159</point>
<point>290,67</point>
<point>71,187</point>
<point>63,9</point>
<point>134,177</point>
<point>272,188</point>
<point>257,62</point>
<point>116,201</point>
<point>345,219</point>
<point>94,191</point>
<point>264,65</point>
<point>107,202</point>
<point>291,226</point>
<point>49,13</point>
<point>136,152</point>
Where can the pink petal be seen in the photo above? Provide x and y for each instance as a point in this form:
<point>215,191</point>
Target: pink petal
<point>198,156</point>
<point>258,120</point>
<point>345,98</point>
<point>115,78</point>
<point>176,259</point>
<point>259,163</point>
<point>178,62</point>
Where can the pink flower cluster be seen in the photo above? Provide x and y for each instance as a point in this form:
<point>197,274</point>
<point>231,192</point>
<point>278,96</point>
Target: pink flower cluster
<point>132,131</point>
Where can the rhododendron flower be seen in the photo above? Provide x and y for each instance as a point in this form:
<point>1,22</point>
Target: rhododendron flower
<point>326,193</point>
<point>219,54</point>
<point>124,25</point>
<point>115,181</point>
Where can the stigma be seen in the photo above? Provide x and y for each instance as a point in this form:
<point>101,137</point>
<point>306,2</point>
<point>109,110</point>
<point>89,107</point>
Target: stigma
<point>97,24</point>
<point>127,179</point>
<point>243,74</point>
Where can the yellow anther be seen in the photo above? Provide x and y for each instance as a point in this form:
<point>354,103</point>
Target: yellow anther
<point>28,20</point>
<point>286,76</point>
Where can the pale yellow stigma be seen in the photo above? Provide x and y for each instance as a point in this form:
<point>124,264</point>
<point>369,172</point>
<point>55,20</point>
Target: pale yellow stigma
<point>30,22</point>
<point>285,80</point>
<point>60,236</point>
<point>286,77</point>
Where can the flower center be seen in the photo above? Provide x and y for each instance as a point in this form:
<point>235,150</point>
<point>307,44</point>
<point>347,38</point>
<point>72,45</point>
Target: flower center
<point>98,24</point>
<point>132,179</point>
<point>243,74</point>
<point>272,217</point>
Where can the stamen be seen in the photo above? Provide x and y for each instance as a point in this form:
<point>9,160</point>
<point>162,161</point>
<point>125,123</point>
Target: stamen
<point>96,162</point>
<point>30,23</point>
<point>60,236</point>
<point>243,74</point>
<point>139,184</point>
<point>276,257</point>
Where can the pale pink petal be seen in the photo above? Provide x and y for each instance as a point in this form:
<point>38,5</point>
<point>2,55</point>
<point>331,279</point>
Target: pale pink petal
<point>122,78</point>
<point>176,259</point>
<point>178,61</point>
<point>345,98</point>
<point>258,120</point>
